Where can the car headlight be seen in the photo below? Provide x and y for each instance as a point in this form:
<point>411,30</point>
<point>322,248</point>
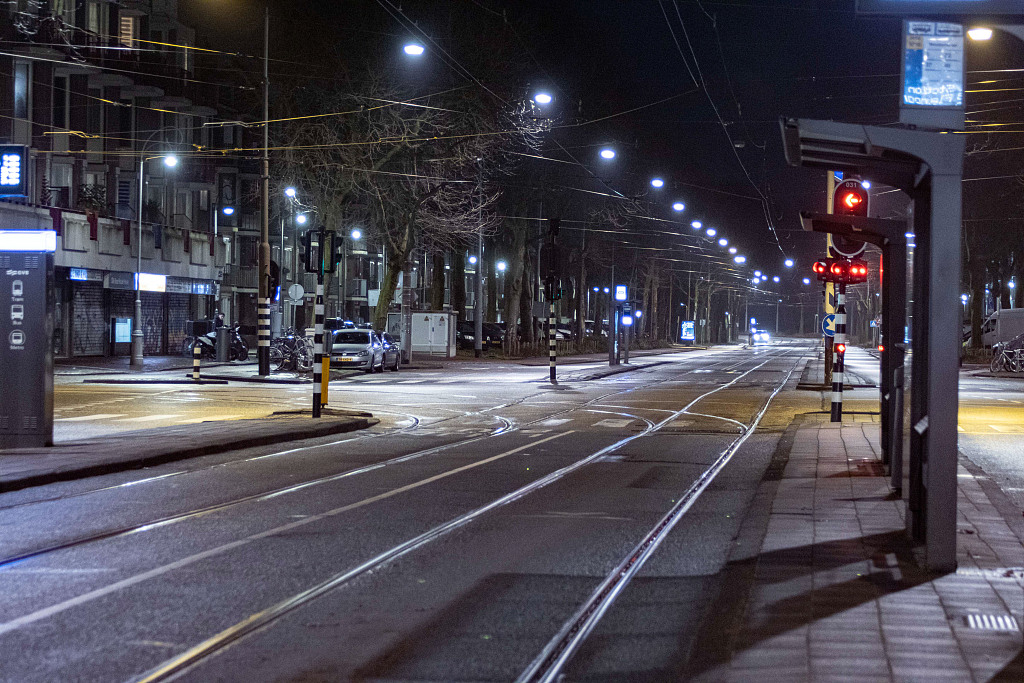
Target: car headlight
<point>469,337</point>
<point>364,352</point>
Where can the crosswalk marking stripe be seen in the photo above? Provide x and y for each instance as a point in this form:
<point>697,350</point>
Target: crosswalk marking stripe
<point>149,418</point>
<point>613,422</point>
<point>85,418</point>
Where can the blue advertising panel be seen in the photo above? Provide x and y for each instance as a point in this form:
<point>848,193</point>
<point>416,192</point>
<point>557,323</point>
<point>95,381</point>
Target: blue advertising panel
<point>687,331</point>
<point>932,77</point>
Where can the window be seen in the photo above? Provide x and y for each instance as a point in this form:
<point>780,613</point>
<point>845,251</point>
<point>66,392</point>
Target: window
<point>129,30</point>
<point>94,112</point>
<point>21,79</point>
<point>60,102</point>
<point>98,18</point>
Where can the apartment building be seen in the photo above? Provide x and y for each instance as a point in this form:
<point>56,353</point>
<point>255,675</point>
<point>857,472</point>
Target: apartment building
<point>102,93</point>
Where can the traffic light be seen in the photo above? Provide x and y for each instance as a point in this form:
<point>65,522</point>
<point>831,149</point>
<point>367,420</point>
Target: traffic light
<point>849,199</point>
<point>844,271</point>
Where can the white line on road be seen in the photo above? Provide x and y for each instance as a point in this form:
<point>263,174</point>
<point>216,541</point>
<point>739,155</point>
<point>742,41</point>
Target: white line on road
<point>150,418</point>
<point>52,610</point>
<point>85,418</point>
<point>615,423</point>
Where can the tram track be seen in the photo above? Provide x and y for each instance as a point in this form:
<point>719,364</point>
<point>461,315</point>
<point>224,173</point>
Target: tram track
<point>507,426</point>
<point>195,655</point>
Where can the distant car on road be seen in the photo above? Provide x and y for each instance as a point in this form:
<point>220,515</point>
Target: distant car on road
<point>360,349</point>
<point>760,337</point>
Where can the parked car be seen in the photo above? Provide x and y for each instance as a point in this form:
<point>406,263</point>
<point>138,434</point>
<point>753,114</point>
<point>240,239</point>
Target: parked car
<point>465,336</point>
<point>338,324</point>
<point>496,332</point>
<point>360,349</point>
<point>392,351</point>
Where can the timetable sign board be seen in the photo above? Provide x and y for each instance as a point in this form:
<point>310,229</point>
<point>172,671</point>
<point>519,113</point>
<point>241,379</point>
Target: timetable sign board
<point>932,79</point>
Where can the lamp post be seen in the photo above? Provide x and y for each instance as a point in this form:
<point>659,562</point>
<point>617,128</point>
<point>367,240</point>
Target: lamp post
<point>355,235</point>
<point>138,337</point>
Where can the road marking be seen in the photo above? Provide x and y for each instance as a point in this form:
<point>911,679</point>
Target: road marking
<point>960,429</point>
<point>52,610</point>
<point>1008,429</point>
<point>84,418</point>
<point>410,381</point>
<point>614,423</point>
<point>210,418</point>
<point>555,421</point>
<point>150,418</point>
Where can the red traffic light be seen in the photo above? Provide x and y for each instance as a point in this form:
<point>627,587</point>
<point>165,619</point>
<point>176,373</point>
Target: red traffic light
<point>850,199</point>
<point>837,270</point>
<point>881,347</point>
<point>840,348</point>
<point>819,267</point>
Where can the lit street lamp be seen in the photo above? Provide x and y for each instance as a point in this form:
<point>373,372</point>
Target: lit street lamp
<point>657,182</point>
<point>679,206</point>
<point>138,337</point>
<point>696,225</point>
<point>542,98</point>
<point>413,49</point>
<point>789,263</point>
<point>607,153</point>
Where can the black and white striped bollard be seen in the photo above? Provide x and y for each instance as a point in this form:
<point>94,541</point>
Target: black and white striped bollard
<point>197,352</point>
<point>840,355</point>
<point>318,347</point>
<point>263,336</point>
<point>552,349</point>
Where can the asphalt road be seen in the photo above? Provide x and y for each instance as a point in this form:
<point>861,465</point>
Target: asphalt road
<point>501,504</point>
<point>454,541</point>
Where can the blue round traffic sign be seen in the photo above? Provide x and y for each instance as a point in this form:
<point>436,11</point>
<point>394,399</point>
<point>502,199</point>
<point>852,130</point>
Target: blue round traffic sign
<point>828,325</point>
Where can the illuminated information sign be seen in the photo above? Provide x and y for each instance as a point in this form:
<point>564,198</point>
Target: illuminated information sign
<point>13,170</point>
<point>932,79</point>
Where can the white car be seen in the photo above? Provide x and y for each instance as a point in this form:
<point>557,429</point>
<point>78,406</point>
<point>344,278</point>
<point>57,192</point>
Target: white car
<point>759,337</point>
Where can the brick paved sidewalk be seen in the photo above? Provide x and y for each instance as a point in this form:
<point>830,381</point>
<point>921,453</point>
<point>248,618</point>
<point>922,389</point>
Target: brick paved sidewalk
<point>835,592</point>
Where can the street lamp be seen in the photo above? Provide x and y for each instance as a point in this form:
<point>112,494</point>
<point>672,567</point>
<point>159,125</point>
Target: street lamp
<point>732,250</point>
<point>138,337</point>
<point>472,260</point>
<point>657,182</point>
<point>301,219</point>
<point>979,33</point>
<point>607,153</point>
<point>501,265</point>
<point>696,225</point>
<point>807,280</point>
<point>542,98</point>
<point>723,242</point>
<point>740,259</point>
<point>414,49</point>
<point>679,206</point>
<point>356,234</point>
<point>789,263</point>
<point>711,232</point>
<point>775,278</point>
<point>289,192</point>
<point>757,273</point>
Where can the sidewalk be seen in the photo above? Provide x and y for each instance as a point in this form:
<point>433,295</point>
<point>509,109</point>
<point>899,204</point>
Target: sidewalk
<point>833,591</point>
<point>25,467</point>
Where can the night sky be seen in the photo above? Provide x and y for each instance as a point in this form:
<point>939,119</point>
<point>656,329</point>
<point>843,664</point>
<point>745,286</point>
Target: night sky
<point>752,60</point>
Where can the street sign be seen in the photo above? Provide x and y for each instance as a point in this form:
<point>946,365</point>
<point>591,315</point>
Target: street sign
<point>929,7</point>
<point>296,292</point>
<point>828,325</point>
<point>620,293</point>
<point>932,78</point>
<point>687,332</point>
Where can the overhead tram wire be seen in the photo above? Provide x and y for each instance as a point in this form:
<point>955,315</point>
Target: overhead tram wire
<point>764,208</point>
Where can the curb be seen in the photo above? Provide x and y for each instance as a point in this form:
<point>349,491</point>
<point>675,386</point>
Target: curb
<point>213,447</point>
<point>204,380</point>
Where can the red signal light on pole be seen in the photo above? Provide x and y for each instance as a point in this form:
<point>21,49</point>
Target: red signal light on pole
<point>850,199</point>
<point>818,267</point>
<point>840,348</point>
<point>836,270</point>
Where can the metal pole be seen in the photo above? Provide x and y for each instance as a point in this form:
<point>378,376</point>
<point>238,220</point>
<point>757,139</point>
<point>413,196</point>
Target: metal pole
<point>840,351</point>
<point>478,304</point>
<point>263,310</point>
<point>137,334</point>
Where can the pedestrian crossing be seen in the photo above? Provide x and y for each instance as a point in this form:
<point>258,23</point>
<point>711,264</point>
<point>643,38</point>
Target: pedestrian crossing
<point>973,428</point>
<point>432,381</point>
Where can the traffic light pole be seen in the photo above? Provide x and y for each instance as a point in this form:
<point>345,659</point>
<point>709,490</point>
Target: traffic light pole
<point>263,305</point>
<point>838,367</point>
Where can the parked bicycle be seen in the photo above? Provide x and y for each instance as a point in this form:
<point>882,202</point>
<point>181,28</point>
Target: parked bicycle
<point>1005,359</point>
<point>292,351</point>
